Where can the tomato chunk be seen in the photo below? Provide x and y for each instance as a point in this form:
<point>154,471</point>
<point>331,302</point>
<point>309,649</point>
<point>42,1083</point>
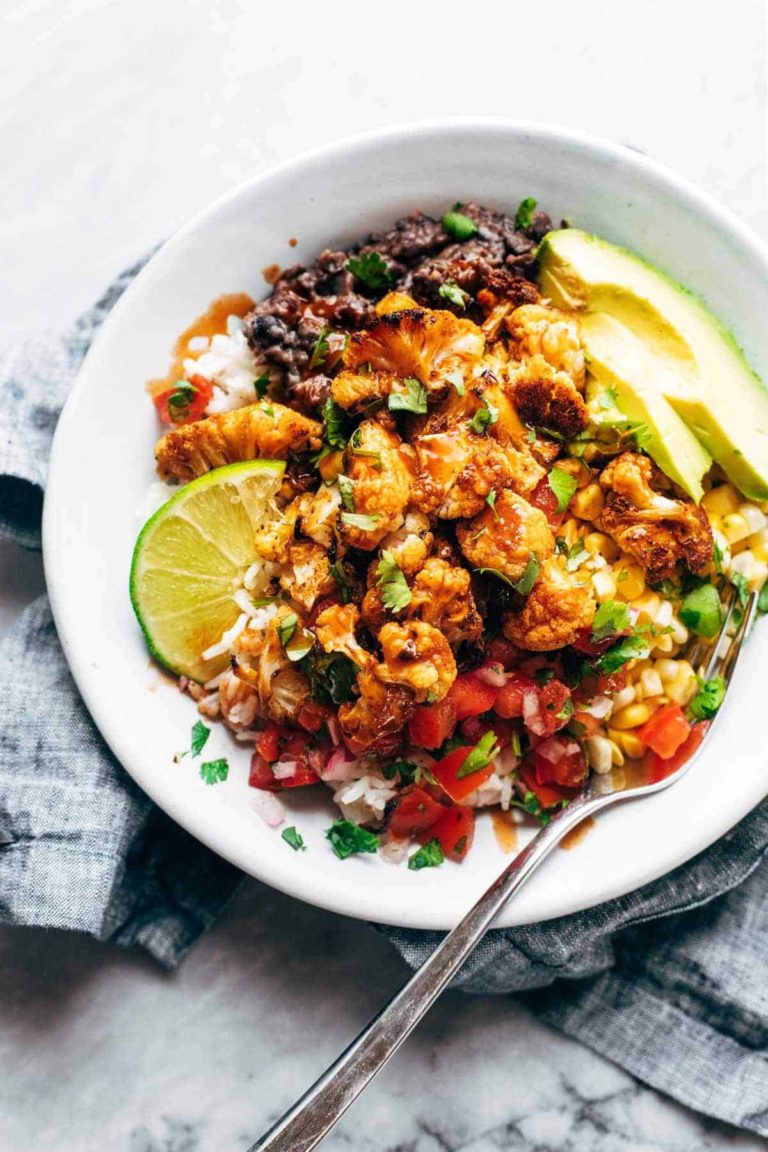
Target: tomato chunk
<point>413,810</point>
<point>313,715</point>
<point>431,724</point>
<point>548,795</point>
<point>660,768</point>
<point>666,731</point>
<point>544,498</point>
<point>503,651</point>
<point>455,786</point>
<point>509,702</point>
<point>276,744</point>
<point>455,830</point>
<point>470,695</point>
<point>187,400</point>
<point>560,761</point>
<point>475,727</point>
<point>555,708</point>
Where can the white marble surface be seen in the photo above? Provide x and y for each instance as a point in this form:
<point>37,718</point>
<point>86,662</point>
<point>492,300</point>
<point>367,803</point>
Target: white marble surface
<point>118,118</point>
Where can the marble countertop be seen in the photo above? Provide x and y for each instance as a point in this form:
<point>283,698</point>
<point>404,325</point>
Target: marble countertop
<point>118,119</point>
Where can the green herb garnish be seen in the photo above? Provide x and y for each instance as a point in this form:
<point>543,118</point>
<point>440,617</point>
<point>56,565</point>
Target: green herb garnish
<point>563,486</point>
<point>491,502</point>
<point>577,554</point>
<point>198,740</point>
<point>366,522</point>
<point>214,771</point>
<point>628,648</point>
<point>457,380</point>
<point>525,211</point>
<point>454,295</point>
<point>483,418</point>
<point>413,399</point>
<point>458,226</point>
<point>339,573</point>
<point>260,386</point>
<point>347,838</point>
<point>336,424</point>
<point>320,350</point>
<point>610,618</point>
<point>371,270</point>
<point>286,628</point>
<point>480,756</point>
<point>395,593</point>
<point>702,611</point>
<point>430,855</point>
<point>347,490</point>
<point>292,837</point>
<point>529,576</point>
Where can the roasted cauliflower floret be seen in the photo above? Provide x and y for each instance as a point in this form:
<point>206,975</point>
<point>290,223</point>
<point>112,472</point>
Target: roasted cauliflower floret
<point>335,631</point>
<point>395,302</point>
<point>460,468</point>
<point>556,610</point>
<point>381,477</point>
<point>316,513</point>
<point>354,390</point>
<point>442,596</point>
<point>506,536</point>
<point>417,656</point>
<point>662,531</point>
<point>411,543</point>
<point>540,330</point>
<point>548,399</point>
<point>260,661</point>
<point>266,430</point>
<point>374,724</point>
<point>307,573</point>
<point>418,343</point>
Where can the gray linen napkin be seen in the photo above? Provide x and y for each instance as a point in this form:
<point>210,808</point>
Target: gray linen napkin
<point>670,982</point>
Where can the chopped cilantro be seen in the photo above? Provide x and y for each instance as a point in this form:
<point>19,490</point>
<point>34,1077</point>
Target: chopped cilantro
<point>180,399</point>
<point>457,380</point>
<point>717,557</point>
<point>566,711</point>
<point>347,838</point>
<point>669,590</point>
<point>525,211</point>
<point>708,699</point>
<point>321,349</point>
<point>292,837</point>
<point>331,677</point>
<point>430,855</point>
<point>339,573</point>
<point>198,740</point>
<point>628,648</point>
<point>347,490</point>
<point>610,618</point>
<point>622,576</point>
<point>454,295</point>
<point>563,485</point>
<point>413,399</point>
<point>532,805</point>
<point>336,424</point>
<point>287,627</point>
<point>491,502</point>
<point>395,593</point>
<point>366,522</point>
<point>371,270</point>
<point>702,611</point>
<point>740,583</point>
<point>577,554</point>
<point>260,386</point>
<point>483,418</point>
<point>529,576</point>
<point>364,454</point>
<point>458,226</point>
<point>480,756</point>
<point>409,773</point>
<point>530,436</point>
<point>214,771</point>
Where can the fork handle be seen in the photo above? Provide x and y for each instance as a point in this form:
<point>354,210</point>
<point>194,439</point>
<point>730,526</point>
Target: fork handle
<point>312,1117</point>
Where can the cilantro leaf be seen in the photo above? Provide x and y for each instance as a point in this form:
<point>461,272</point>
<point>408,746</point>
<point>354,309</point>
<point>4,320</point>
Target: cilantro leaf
<point>491,502</point>
<point>180,399</point>
<point>294,838</point>
<point>430,855</point>
<point>198,740</point>
<point>371,270</point>
<point>529,576</point>
<point>525,211</point>
<point>347,838</point>
<point>458,226</point>
<point>457,380</point>
<point>320,350</point>
<point>453,294</point>
<point>336,424</point>
<point>483,418</point>
<point>702,611</point>
<point>331,677</point>
<point>408,772</point>
<point>628,648</point>
<point>413,399</point>
<point>286,628</point>
<point>365,521</point>
<point>563,485</point>
<point>610,618</point>
<point>347,490</point>
<point>740,583</point>
<point>339,573</point>
<point>214,771</point>
<point>395,593</point>
<point>577,554</point>
<point>708,699</point>
<point>260,386</point>
<point>480,756</point>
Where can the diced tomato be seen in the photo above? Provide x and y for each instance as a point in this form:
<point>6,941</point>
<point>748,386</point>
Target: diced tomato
<point>268,743</point>
<point>548,795</point>
<point>504,652</point>
<point>262,776</point>
<point>455,830</point>
<point>666,731</point>
<point>474,728</point>
<point>589,723</point>
<point>544,498</point>
<point>431,724</point>
<point>560,761</point>
<point>470,695</point>
<point>413,810</point>
<point>509,702</point>
<point>659,768</point>
<point>313,715</point>
<point>185,401</point>
<point>455,786</point>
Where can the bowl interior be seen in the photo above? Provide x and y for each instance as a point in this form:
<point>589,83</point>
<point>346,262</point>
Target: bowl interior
<point>92,512</point>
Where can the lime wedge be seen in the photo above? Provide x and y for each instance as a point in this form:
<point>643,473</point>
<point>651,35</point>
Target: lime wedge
<point>190,560</point>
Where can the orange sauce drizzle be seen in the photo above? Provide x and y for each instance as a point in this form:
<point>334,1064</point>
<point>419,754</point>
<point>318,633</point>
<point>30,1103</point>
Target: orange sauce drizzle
<point>212,322</point>
<point>577,834</point>
<point>505,830</point>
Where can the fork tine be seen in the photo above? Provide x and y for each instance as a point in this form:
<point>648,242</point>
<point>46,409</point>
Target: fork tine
<point>713,652</point>
<point>733,651</point>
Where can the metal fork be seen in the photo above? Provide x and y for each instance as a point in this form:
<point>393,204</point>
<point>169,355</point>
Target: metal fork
<point>318,1110</point>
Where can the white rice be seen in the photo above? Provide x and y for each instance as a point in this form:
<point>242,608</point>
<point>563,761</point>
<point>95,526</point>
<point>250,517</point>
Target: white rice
<point>198,344</point>
<point>222,646</point>
<point>230,365</point>
<point>365,799</point>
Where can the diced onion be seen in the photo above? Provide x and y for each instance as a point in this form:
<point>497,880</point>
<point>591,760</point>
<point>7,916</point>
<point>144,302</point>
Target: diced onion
<point>492,674</point>
<point>269,808</point>
<point>283,769</point>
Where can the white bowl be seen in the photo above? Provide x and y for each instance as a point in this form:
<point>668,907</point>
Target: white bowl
<point>102,464</point>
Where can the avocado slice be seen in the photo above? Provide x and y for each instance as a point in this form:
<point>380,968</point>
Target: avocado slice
<point>696,363</point>
<point>619,362</point>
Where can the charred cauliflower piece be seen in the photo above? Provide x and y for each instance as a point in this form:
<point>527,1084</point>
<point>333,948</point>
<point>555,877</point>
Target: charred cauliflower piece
<point>395,302</point>
<point>417,656</point>
<point>417,343</point>
<point>266,430</point>
<point>261,662</point>
<point>355,390</point>
<point>442,596</point>
<point>316,513</point>
<point>335,631</point>
<point>554,613</point>
<point>548,399</point>
<point>460,468</point>
<point>538,330</point>
<point>381,481</point>
<point>662,531</point>
<point>374,724</point>
<point>505,537</point>
<point>411,543</point>
<point>307,573</point>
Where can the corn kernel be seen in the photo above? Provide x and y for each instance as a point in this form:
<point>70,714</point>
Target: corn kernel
<point>576,468</point>
<point>715,522</point>
<point>630,582</point>
<point>758,544</point>
<point>667,669</point>
<point>632,745</point>
<point>651,682</point>
<point>735,527</point>
<point>684,688</point>
<point>587,503</point>
<point>599,750</point>
<point>754,571</point>
<point>604,584</point>
<point>663,617</point>
<point>679,633</point>
<point>753,516</point>
<point>623,697</point>
<point>602,545</point>
<point>570,532</point>
<point>632,716</point>
<point>647,605</point>
<point>663,643</point>
<point>722,500</point>
<point>617,756</point>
